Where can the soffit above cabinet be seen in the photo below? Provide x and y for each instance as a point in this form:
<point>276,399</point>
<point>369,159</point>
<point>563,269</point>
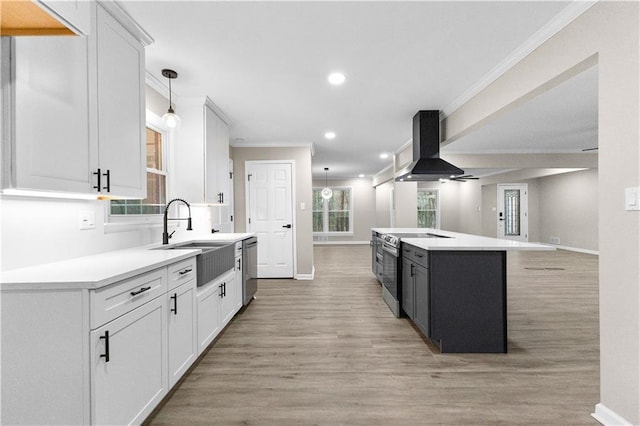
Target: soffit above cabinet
<point>23,18</point>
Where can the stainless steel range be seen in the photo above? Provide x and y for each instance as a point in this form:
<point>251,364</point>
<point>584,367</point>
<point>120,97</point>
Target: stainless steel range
<point>392,267</point>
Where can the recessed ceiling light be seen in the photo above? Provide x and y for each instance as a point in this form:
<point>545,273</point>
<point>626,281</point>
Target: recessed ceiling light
<point>384,155</point>
<point>336,78</point>
<point>330,135</point>
<point>361,175</point>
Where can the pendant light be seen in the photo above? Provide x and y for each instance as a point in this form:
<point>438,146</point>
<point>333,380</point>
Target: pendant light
<point>326,191</point>
<point>170,119</point>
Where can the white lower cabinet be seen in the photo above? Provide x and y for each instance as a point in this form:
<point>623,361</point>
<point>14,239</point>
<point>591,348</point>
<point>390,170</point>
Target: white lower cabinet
<point>238,276</point>
<point>228,299</point>
<point>215,307</point>
<point>108,355</point>
<point>129,365</point>
<point>183,345</point>
<point>103,356</point>
<point>208,307</point>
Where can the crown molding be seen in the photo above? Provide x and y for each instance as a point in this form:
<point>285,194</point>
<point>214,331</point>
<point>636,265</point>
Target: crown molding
<point>118,11</point>
<point>310,145</point>
<point>156,84</point>
<point>551,28</point>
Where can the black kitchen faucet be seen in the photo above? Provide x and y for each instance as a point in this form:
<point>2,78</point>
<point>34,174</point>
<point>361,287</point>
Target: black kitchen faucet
<point>165,234</point>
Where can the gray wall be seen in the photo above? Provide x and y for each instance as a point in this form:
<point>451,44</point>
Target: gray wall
<point>383,207</point>
<point>568,209</point>
<point>406,204</point>
<point>302,158</point>
<point>364,208</point>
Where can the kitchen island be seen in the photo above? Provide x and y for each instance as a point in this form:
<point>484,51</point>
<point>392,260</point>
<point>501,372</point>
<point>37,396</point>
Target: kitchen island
<point>453,286</point>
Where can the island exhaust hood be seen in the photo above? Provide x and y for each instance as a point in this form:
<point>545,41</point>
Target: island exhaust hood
<point>427,164</point>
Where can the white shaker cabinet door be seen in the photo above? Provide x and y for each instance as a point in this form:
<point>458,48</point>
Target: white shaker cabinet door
<point>211,124</point>
<point>183,345</point>
<point>121,102</point>
<point>51,144</point>
<point>222,157</point>
<point>238,283</point>
<point>129,365</point>
<point>227,301</point>
<point>208,310</point>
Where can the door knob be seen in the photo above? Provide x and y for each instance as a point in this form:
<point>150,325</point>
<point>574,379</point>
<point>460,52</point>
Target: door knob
<point>287,226</point>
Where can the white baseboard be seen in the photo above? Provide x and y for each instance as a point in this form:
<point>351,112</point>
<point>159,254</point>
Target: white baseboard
<point>338,242</point>
<point>307,277</point>
<point>576,249</point>
<point>608,417</point>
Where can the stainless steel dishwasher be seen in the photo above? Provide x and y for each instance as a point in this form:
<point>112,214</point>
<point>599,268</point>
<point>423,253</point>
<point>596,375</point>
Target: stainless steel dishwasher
<point>250,269</point>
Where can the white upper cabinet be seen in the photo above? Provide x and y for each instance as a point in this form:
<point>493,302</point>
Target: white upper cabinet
<point>51,115</point>
<point>203,157</point>
<point>74,14</point>
<point>121,108</point>
<point>76,112</point>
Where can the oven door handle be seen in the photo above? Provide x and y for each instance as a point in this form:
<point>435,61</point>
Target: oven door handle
<point>390,250</point>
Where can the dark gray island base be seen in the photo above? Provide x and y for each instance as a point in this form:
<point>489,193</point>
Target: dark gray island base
<point>457,298</point>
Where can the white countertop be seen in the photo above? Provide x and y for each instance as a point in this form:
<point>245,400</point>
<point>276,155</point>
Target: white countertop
<point>458,241</point>
<point>92,272</point>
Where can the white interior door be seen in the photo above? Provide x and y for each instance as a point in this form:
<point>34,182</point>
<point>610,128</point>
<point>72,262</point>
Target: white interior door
<point>513,212</point>
<point>270,216</point>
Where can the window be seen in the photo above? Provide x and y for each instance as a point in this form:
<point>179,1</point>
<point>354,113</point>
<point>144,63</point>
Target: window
<point>156,180</point>
<point>428,209</point>
<point>334,215</point>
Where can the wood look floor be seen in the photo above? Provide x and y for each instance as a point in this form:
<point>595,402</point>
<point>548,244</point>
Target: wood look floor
<point>329,352</point>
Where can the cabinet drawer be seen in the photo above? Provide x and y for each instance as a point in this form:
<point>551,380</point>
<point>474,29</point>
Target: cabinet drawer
<point>118,299</point>
<point>181,272</point>
<point>418,255</point>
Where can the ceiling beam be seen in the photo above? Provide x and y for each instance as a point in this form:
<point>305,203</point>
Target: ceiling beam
<point>522,161</point>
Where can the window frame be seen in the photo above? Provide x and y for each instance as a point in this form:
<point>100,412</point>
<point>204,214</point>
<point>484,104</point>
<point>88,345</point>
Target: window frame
<point>325,213</point>
<point>437,209</point>
<point>122,223</point>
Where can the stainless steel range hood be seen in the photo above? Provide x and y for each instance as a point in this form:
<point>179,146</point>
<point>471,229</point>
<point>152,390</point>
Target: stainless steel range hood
<point>427,164</point>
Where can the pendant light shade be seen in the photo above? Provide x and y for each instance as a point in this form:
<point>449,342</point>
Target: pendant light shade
<point>170,119</point>
<point>326,191</point>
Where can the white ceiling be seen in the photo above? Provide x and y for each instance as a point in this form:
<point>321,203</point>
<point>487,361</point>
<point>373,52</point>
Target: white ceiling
<point>265,65</point>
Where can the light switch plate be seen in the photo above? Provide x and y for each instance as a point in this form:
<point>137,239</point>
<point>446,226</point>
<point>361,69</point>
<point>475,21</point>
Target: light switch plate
<point>87,219</point>
<point>302,206</point>
<point>632,198</point>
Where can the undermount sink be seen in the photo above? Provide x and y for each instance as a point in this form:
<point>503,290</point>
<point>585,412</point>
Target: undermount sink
<point>217,257</point>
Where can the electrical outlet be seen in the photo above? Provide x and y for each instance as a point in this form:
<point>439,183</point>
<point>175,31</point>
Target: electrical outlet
<point>87,219</point>
<point>302,206</point>
<point>554,240</point>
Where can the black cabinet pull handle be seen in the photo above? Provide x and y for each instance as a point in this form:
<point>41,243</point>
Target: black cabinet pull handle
<point>419,255</point>
<point>224,289</point>
<point>221,294</point>
<point>105,355</point>
<point>412,269</point>
<point>186,271</point>
<point>142,290</point>
<point>175,303</point>
<point>108,176</point>
<point>239,264</point>
<point>99,175</point>
<point>288,225</point>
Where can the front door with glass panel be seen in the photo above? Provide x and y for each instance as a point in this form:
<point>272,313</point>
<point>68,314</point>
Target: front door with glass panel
<point>513,215</point>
